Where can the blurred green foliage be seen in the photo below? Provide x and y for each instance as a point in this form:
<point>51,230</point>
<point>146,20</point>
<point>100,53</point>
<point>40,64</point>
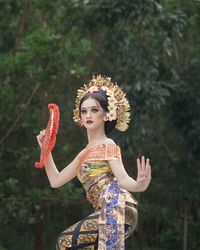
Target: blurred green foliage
<point>50,48</point>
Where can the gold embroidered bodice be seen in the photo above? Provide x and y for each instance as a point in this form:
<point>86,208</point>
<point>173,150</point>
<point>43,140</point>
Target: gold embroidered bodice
<point>95,173</point>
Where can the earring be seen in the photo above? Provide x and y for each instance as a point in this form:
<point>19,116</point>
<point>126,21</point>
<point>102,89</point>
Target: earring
<point>105,118</point>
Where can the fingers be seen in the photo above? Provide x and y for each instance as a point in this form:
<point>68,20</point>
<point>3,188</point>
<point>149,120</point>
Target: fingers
<point>40,137</point>
<point>149,172</point>
<point>138,165</point>
<point>42,132</point>
<point>147,166</point>
<point>144,173</point>
<point>143,166</point>
<point>40,140</point>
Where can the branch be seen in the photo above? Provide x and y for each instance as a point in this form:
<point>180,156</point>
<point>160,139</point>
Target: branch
<point>20,115</point>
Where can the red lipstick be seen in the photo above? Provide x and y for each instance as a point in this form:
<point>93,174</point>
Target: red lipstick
<point>89,122</point>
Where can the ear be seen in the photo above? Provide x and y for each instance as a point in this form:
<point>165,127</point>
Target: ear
<point>105,116</point>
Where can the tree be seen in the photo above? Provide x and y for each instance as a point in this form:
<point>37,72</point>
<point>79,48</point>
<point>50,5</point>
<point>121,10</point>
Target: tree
<point>47,50</point>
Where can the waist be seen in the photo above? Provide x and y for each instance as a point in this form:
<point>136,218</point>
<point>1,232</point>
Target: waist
<point>94,190</point>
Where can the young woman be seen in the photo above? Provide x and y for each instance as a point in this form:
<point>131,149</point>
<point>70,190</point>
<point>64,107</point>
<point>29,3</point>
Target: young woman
<point>100,107</point>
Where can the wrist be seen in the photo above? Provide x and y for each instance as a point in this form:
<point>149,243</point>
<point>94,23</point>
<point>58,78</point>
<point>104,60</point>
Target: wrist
<point>138,188</point>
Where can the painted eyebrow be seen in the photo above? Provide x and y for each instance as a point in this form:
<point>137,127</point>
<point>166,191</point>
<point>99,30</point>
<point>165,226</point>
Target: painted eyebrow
<point>90,107</point>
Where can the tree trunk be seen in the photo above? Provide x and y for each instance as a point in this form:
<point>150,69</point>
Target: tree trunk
<point>39,239</point>
<point>185,225</point>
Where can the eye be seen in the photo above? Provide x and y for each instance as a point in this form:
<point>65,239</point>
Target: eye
<point>94,110</point>
<point>83,111</point>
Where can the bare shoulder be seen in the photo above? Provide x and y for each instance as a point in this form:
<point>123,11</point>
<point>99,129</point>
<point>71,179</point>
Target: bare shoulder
<point>109,141</point>
<point>82,153</point>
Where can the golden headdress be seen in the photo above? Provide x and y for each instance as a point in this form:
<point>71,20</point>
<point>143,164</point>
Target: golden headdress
<point>118,105</point>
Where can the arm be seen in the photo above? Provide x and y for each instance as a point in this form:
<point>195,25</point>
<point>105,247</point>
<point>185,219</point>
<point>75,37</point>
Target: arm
<point>128,183</point>
<point>55,177</point>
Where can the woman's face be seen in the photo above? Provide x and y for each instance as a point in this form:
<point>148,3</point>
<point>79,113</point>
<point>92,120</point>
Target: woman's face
<point>92,114</point>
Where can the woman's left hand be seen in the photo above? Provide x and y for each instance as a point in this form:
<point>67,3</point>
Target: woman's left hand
<point>144,174</point>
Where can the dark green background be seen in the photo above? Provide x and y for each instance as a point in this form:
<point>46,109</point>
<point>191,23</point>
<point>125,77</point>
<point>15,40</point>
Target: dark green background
<point>50,48</point>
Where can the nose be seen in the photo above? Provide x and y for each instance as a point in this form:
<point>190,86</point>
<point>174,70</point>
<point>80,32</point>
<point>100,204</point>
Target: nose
<point>89,114</point>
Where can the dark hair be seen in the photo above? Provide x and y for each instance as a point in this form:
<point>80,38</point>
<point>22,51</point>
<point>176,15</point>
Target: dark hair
<point>100,96</point>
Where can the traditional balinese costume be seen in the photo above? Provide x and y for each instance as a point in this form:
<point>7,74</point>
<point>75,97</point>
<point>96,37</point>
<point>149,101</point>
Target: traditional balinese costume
<point>115,215</point>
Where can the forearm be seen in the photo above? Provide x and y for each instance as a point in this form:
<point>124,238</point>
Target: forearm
<point>129,184</point>
<point>51,170</point>
<point>57,178</point>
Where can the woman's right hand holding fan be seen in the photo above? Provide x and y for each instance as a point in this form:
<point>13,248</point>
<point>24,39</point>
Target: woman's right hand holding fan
<point>40,137</point>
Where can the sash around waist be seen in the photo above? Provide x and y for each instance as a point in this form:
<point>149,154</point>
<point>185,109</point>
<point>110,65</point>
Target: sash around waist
<point>98,189</point>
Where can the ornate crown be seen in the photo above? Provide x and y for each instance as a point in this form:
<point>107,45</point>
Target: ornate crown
<point>118,105</point>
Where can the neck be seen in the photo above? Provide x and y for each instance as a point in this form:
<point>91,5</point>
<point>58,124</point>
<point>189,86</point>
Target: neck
<point>96,136</point>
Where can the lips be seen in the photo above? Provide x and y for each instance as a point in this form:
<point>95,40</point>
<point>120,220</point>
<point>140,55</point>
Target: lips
<point>89,122</point>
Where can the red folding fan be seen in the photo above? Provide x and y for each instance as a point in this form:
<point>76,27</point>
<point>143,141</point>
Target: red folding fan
<point>50,134</point>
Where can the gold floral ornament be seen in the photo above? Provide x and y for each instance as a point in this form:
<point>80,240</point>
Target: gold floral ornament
<point>118,105</point>
<point>93,89</point>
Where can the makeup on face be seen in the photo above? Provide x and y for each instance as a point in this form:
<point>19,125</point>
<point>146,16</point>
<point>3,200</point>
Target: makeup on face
<point>88,112</point>
<point>92,109</point>
<point>92,114</point>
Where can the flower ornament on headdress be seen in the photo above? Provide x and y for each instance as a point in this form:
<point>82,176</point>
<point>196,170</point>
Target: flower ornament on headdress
<point>118,105</point>
<point>93,89</point>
